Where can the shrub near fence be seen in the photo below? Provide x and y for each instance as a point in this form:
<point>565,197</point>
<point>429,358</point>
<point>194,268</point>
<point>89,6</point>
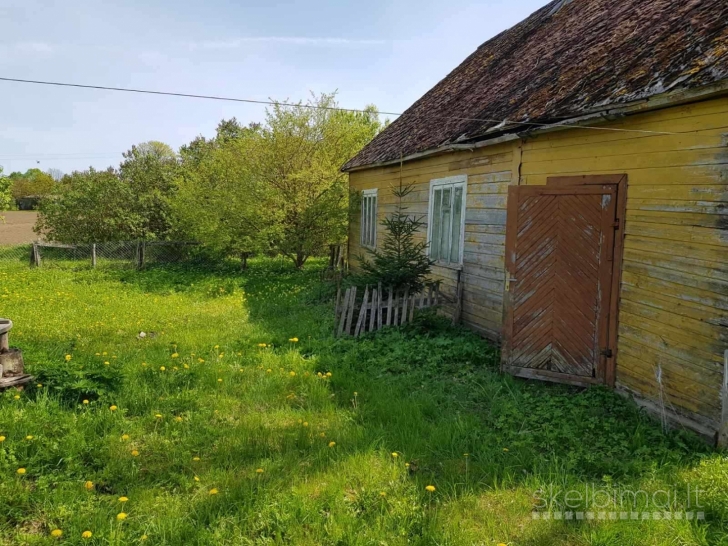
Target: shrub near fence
<point>121,254</point>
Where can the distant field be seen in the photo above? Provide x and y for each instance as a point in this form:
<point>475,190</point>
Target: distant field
<point>17,229</point>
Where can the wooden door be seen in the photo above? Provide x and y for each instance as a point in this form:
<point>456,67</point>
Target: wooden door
<point>559,267</point>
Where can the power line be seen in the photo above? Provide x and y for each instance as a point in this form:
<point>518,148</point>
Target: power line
<point>503,122</point>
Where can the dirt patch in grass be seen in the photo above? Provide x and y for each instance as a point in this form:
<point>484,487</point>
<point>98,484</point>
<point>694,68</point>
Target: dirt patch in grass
<point>17,229</point>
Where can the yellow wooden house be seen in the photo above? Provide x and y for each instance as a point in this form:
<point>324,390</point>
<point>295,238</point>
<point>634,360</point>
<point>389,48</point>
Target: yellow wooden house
<point>573,173</point>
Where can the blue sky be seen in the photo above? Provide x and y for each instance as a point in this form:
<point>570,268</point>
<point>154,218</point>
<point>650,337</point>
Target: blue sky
<point>382,53</point>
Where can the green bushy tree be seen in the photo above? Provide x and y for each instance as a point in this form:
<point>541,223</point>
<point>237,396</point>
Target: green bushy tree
<point>402,261</point>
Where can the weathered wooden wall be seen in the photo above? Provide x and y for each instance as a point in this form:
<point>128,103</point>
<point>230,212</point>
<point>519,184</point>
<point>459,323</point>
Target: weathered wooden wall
<point>674,295</point>
<point>489,174</point>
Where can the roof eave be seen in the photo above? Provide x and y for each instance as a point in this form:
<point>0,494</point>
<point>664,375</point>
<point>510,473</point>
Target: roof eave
<point>602,114</point>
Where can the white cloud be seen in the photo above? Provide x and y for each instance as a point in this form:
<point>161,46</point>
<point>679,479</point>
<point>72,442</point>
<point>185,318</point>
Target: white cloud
<point>33,47</point>
<point>288,40</point>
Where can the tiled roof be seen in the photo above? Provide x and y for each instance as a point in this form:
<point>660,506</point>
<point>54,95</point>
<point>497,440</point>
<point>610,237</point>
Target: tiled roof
<point>567,59</point>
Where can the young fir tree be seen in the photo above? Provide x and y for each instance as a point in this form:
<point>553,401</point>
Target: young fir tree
<point>402,262</point>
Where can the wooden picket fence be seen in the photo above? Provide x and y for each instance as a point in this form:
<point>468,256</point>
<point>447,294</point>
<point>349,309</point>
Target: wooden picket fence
<point>381,308</point>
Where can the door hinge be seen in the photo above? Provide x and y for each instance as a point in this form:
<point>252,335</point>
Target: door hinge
<point>607,352</point>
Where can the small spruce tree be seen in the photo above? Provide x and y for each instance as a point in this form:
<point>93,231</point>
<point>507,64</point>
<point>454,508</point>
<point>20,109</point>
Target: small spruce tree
<point>402,262</point>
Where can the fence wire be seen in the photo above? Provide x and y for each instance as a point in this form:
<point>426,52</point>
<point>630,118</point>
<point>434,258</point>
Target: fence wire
<point>116,254</point>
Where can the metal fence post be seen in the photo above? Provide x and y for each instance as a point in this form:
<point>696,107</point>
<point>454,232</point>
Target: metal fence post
<point>93,255</point>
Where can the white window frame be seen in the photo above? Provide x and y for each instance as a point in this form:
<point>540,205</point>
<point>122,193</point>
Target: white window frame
<point>370,223</point>
<point>454,181</point>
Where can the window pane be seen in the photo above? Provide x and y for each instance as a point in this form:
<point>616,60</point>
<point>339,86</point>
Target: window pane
<point>373,216</point>
<point>436,224</point>
<point>457,218</point>
<point>363,220</point>
<point>444,251</point>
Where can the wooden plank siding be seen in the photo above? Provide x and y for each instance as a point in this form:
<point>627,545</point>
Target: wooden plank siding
<point>489,174</point>
<point>674,284</point>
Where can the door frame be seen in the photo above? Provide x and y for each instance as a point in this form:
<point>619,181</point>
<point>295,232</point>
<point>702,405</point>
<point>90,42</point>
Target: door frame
<point>620,181</point>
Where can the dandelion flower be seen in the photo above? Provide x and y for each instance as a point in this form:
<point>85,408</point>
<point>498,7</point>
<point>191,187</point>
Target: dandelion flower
<point>201,360</point>
<point>158,415</point>
<point>17,397</point>
<point>123,499</point>
<point>293,340</point>
<point>382,494</point>
<point>292,373</point>
<point>39,385</point>
<point>186,366</point>
<point>98,354</point>
<point>178,419</point>
<point>395,454</point>
<point>195,459</point>
<point>213,491</point>
<point>29,437</point>
<point>175,355</point>
<point>89,485</point>
<point>219,380</point>
<point>134,453</point>
<point>328,374</point>
<point>262,345</point>
<point>125,437</point>
<point>430,488</point>
<point>144,364</point>
<point>305,423</point>
<point>216,347</point>
<point>20,471</point>
<point>322,434</point>
<point>259,470</point>
<point>505,450</point>
<point>87,534</point>
<point>196,478</point>
<point>268,370</point>
<point>85,402</point>
<point>68,358</point>
<point>104,353</point>
<point>2,439</point>
<point>121,516</point>
<point>162,368</point>
<point>57,533</point>
<point>332,444</point>
<point>144,537</point>
<point>106,363</point>
<point>113,408</point>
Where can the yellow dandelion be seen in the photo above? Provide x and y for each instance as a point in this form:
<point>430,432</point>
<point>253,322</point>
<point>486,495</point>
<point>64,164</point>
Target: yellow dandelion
<point>21,471</point>
<point>305,423</point>
<point>322,434</point>
<point>175,355</point>
<point>144,364</point>
<point>121,516</point>
<point>262,345</point>
<point>107,362</point>
<point>56,533</point>
<point>505,449</point>
<point>293,340</point>
<point>382,494</point>
<point>89,485</point>
<point>221,355</point>
<point>85,402</point>
<point>216,347</point>
<point>201,360</point>
<point>134,453</point>
<point>292,373</point>
<point>395,454</point>
<point>158,415</point>
<point>213,491</point>
<point>144,537</point>
<point>178,419</point>
<point>268,370</point>
<point>104,353</point>
<point>39,385</point>
<point>328,374</point>
<point>219,380</point>
<point>98,354</point>
<point>430,488</point>
<point>332,444</point>
<point>197,479</point>
<point>162,368</point>
<point>259,470</point>
<point>68,358</point>
<point>195,459</point>
<point>113,408</point>
<point>16,397</point>
<point>123,499</point>
<point>29,437</point>
<point>2,439</point>
<point>186,366</point>
<point>175,368</point>
<point>87,534</point>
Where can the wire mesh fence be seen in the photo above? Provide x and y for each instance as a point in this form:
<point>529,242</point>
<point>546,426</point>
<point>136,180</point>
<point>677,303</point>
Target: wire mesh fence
<point>117,254</point>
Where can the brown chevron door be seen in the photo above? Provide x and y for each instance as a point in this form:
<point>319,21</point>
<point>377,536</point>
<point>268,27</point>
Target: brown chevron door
<point>560,245</point>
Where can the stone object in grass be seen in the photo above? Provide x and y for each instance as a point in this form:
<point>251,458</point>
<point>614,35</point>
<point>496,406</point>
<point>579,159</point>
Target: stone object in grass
<point>12,369</point>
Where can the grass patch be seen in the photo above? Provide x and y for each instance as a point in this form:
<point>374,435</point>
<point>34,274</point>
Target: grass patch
<point>216,439</point>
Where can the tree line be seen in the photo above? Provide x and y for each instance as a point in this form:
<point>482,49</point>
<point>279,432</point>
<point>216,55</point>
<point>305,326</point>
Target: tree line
<point>274,186</point>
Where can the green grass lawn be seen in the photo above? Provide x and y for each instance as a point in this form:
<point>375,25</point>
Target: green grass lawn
<point>216,439</point>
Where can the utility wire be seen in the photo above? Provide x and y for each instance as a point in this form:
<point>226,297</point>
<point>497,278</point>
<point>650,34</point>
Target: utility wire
<point>503,122</point>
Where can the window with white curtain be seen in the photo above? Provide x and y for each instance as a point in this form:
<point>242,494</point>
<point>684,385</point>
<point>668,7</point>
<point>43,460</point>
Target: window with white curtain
<point>446,222</point>
<point>369,218</point>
